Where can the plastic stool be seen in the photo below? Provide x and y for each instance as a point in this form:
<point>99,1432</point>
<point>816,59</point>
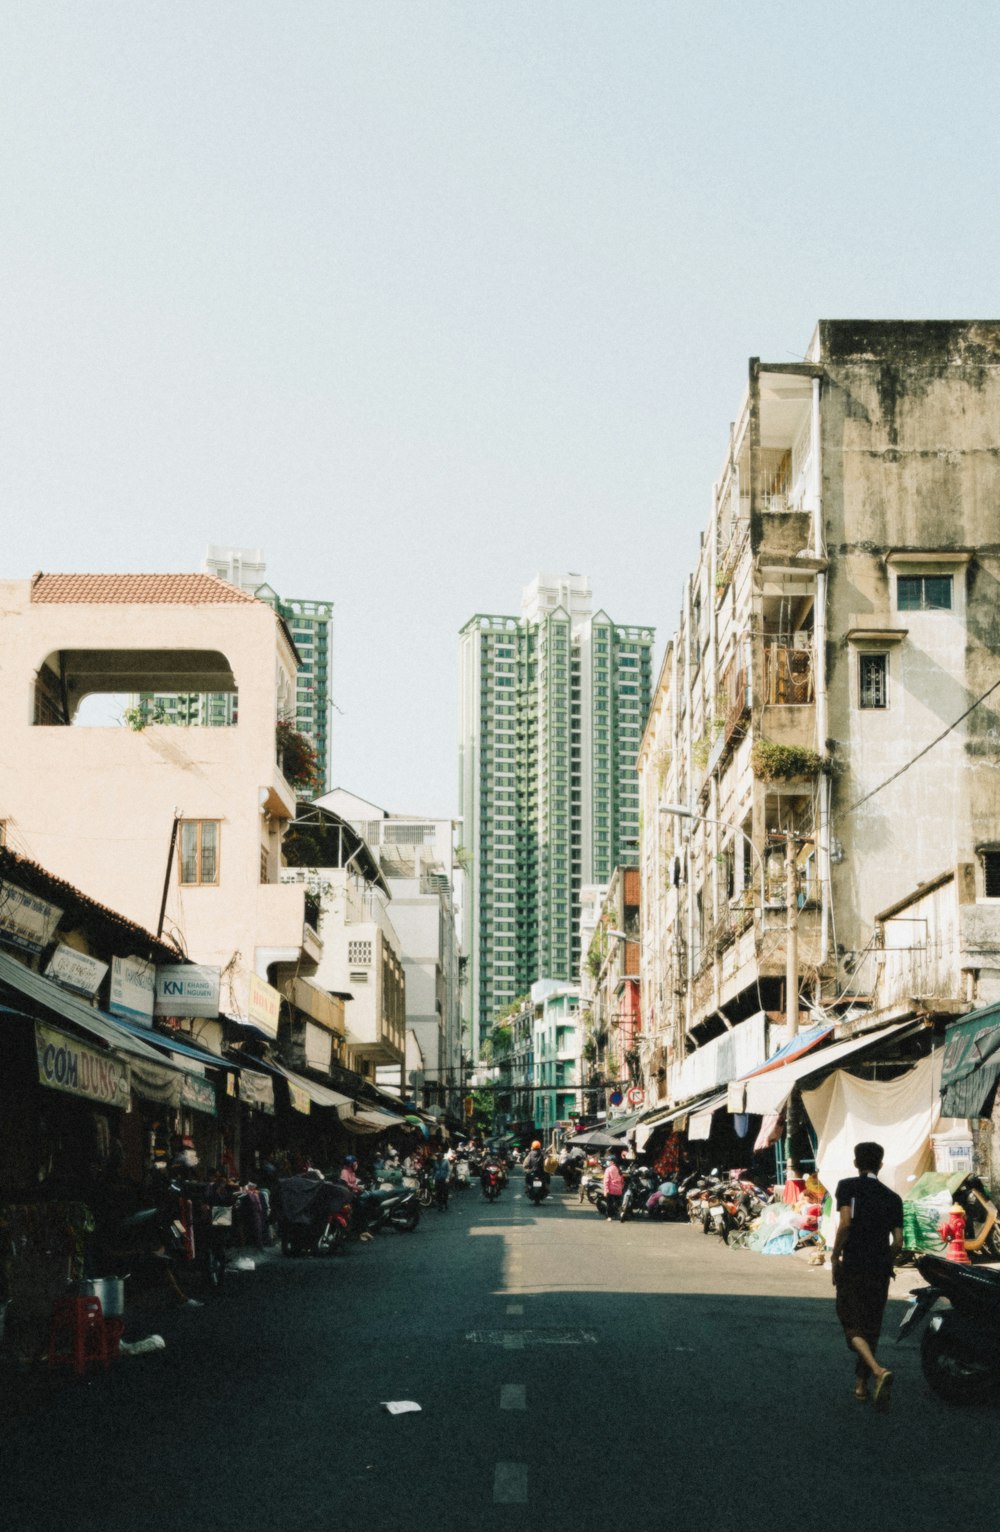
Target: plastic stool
<point>77,1334</point>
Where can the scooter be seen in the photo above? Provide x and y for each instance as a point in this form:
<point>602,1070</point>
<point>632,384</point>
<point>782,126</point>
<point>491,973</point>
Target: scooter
<point>536,1186</point>
<point>959,1349</point>
<point>640,1184</point>
<point>313,1216</point>
<point>397,1208</point>
<point>490,1179</point>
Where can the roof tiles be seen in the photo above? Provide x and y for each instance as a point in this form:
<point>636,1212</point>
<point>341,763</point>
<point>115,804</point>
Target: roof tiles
<point>135,589</point>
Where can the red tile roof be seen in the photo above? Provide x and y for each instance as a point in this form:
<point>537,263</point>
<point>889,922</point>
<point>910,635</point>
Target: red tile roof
<point>138,589</point>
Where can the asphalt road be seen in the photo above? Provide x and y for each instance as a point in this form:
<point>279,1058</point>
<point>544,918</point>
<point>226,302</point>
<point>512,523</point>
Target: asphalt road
<point>571,1375</point>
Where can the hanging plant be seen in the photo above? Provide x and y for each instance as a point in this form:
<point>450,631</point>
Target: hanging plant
<point>297,757</point>
<point>783,763</point>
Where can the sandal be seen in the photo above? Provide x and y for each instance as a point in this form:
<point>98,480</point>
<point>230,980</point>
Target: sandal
<point>883,1392</point>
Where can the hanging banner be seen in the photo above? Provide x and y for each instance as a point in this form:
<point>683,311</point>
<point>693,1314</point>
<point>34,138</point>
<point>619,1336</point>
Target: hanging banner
<point>66,1065</point>
<point>156,1082</point>
<point>263,1005</point>
<point>257,1090</point>
<point>26,921</point>
<point>198,1094</point>
<point>298,1097</point>
<point>133,990</point>
<point>76,971</point>
<point>184,989</point>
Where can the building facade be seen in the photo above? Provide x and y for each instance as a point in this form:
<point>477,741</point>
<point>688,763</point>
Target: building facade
<point>310,623</point>
<point>416,857</point>
<point>552,706</point>
<point>823,738</point>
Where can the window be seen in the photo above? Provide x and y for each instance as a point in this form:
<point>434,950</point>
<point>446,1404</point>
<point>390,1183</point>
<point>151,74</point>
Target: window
<point>873,680</point>
<point>923,593</point>
<point>199,851</point>
<point>991,873</point>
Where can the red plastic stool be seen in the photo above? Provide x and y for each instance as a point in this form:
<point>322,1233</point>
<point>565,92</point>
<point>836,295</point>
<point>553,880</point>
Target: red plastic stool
<point>77,1334</point>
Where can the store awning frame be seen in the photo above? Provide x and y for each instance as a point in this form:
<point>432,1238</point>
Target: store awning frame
<point>768,1092</point>
<point>971,1065</point>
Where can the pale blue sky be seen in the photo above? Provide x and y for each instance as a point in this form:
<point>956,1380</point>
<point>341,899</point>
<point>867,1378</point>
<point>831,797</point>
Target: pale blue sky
<point>424,297</point>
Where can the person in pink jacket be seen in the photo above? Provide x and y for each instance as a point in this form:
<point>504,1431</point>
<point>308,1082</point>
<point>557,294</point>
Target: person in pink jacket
<point>614,1185</point>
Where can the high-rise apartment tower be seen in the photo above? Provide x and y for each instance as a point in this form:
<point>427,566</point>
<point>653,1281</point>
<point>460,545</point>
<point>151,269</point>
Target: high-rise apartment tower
<point>552,708</point>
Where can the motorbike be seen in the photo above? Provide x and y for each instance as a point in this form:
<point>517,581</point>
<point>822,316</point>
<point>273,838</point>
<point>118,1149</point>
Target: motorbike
<point>640,1184</point>
<point>536,1186</point>
<point>959,1349</point>
<point>670,1205</point>
<point>571,1171</point>
<point>393,1208</point>
<point>425,1186</point>
<point>491,1182</point>
<point>313,1216</point>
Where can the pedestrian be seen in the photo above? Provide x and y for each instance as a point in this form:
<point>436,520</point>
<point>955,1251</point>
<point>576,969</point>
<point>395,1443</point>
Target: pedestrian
<point>868,1240</point>
<point>442,1175</point>
<point>614,1186</point>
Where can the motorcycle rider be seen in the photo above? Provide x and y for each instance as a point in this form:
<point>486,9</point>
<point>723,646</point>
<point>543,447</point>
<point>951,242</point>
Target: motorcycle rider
<point>534,1165</point>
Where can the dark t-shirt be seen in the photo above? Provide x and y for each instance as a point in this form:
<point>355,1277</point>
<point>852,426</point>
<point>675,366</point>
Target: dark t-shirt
<point>875,1212</point>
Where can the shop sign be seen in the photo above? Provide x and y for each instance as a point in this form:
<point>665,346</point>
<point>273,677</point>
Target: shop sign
<point>25,920</point>
<point>198,1093</point>
<point>133,989</point>
<point>257,1090</point>
<point>66,1065</point>
<point>76,970</point>
<point>263,1005</point>
<point>184,989</point>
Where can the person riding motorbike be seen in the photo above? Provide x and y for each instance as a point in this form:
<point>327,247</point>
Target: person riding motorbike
<point>534,1164</point>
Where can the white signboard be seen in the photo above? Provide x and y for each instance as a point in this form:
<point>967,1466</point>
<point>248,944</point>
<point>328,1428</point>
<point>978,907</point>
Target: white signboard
<point>184,989</point>
<point>263,1005</point>
<point>25,920</point>
<point>75,970</point>
<point>133,989</point>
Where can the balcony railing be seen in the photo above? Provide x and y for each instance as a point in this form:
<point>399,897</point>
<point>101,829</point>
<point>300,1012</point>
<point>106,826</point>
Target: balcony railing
<point>789,676</point>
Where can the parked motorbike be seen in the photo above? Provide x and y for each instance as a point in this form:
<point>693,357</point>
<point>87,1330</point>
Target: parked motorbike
<point>959,1349</point>
<point>313,1215</point>
<point>669,1204</point>
<point>425,1186</point>
<point>397,1208</point>
<point>640,1184</point>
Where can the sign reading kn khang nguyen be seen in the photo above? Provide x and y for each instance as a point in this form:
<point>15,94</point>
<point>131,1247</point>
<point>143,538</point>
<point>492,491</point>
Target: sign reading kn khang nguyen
<point>66,1065</point>
<point>185,989</point>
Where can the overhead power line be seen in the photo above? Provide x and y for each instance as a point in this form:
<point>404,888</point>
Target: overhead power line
<point>927,748</point>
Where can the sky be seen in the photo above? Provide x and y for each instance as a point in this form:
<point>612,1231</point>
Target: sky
<point>424,296</point>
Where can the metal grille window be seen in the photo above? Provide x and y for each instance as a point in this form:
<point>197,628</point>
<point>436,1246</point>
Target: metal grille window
<point>873,680</point>
<point>359,952</point>
<point>991,874</point>
<point>199,851</point>
<point>923,593</point>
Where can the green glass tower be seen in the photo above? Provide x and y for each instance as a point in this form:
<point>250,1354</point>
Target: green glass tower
<point>552,708</point>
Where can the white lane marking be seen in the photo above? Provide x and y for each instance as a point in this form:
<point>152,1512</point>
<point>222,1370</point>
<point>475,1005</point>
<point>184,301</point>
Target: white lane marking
<point>510,1484</point>
<point>515,1308</point>
<point>513,1396</point>
<point>513,1341</point>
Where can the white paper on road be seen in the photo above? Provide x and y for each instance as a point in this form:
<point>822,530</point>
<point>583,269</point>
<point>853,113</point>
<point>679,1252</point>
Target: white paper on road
<point>399,1406</point>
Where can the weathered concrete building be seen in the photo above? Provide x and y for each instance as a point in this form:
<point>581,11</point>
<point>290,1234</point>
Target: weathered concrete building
<point>826,715</point>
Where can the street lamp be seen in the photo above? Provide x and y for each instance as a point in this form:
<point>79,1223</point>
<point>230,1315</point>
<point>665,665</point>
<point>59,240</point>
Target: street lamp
<point>678,811</point>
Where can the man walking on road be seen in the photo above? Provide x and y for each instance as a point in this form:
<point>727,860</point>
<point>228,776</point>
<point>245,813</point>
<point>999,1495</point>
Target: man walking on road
<point>869,1238</point>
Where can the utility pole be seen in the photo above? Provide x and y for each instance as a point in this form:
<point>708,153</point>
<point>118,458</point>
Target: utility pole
<point>791,937</point>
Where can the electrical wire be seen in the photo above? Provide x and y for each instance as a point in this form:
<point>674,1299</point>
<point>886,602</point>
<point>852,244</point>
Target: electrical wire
<point>927,748</point>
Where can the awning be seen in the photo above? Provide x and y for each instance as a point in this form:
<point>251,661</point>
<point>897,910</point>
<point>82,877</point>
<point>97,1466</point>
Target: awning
<point>43,992</point>
<point>380,1119</point>
<point>801,1043</point>
<point>768,1092</point>
<point>700,1121</point>
<point>619,1126</point>
<point>174,1044</point>
<point>320,1095</point>
<point>971,1063</point>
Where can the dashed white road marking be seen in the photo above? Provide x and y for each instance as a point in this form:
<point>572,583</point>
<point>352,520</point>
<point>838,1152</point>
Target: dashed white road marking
<point>510,1484</point>
<point>513,1396</point>
<point>515,1308</point>
<point>513,1341</point>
